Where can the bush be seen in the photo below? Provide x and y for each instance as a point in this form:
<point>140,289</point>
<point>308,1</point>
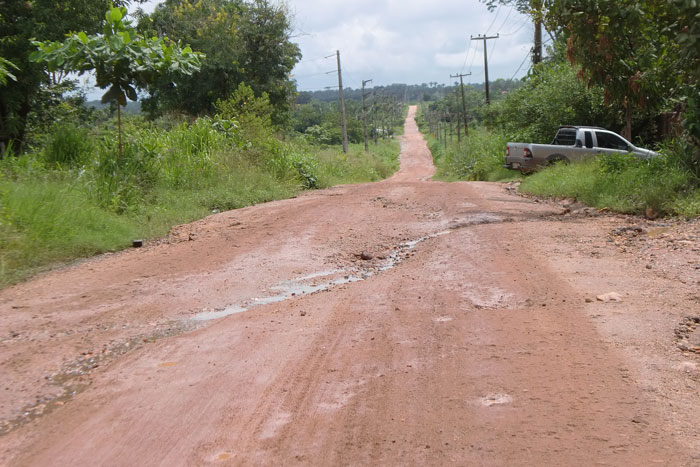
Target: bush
<point>623,183</point>
<point>67,145</point>
<point>552,96</point>
<point>120,183</point>
<point>481,157</point>
<point>88,202</point>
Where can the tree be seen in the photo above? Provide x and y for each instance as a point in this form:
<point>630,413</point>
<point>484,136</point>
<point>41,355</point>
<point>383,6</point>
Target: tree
<point>246,42</point>
<point>624,46</point>
<point>20,21</point>
<point>5,73</point>
<point>121,58</point>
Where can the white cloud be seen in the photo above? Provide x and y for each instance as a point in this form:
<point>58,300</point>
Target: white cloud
<point>403,41</point>
<point>409,41</point>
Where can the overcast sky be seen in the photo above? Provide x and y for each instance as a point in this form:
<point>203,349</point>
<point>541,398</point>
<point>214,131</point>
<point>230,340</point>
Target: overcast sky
<point>404,41</point>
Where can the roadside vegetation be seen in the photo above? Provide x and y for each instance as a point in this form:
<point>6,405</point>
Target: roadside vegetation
<point>73,196</point>
<point>652,97</point>
<point>77,181</point>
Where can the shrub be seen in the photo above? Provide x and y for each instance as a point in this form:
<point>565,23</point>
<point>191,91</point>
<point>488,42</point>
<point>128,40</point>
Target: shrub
<point>479,158</point>
<point>67,145</point>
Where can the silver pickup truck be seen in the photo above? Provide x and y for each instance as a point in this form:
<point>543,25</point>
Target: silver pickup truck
<point>572,143</point>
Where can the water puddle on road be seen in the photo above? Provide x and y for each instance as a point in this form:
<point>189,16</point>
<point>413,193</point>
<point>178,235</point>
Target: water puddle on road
<point>74,377</point>
<point>318,281</point>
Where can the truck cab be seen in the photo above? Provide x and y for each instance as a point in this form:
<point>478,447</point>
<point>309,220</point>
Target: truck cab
<point>571,143</point>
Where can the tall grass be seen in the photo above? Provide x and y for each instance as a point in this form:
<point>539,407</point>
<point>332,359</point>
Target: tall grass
<point>356,166</point>
<point>480,156</point>
<point>623,183</point>
<point>75,197</point>
<point>664,185</point>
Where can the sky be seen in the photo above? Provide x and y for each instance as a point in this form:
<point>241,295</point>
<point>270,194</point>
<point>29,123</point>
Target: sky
<point>404,41</point>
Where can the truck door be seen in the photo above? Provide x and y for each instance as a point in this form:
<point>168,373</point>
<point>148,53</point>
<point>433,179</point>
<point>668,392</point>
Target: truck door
<point>609,143</point>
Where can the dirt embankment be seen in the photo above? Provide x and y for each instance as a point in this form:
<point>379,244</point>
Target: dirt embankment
<point>402,322</point>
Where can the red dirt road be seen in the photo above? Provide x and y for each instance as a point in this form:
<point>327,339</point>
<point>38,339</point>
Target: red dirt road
<point>406,322</point>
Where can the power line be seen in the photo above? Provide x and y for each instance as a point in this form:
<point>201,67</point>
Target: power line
<point>473,58</point>
<point>312,60</point>
<point>505,20</point>
<point>521,65</point>
<point>493,47</point>
<point>524,23</point>
<point>494,19</point>
<point>467,56</point>
<point>314,74</point>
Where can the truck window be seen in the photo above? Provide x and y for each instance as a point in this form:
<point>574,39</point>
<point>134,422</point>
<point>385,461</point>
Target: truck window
<point>565,137</point>
<point>589,139</point>
<point>610,141</point>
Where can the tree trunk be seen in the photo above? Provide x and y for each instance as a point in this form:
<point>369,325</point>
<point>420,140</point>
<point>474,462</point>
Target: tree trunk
<point>627,131</point>
<point>18,141</point>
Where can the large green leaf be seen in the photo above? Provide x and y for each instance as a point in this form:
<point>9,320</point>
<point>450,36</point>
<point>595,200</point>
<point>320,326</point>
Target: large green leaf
<point>131,93</point>
<point>111,95</point>
<point>115,14</point>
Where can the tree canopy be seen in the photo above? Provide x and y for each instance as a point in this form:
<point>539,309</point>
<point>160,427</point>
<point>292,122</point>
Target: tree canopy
<point>630,47</point>
<point>245,42</point>
<point>49,20</point>
<point>120,57</point>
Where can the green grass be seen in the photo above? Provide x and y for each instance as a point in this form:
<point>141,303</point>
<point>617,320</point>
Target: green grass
<point>44,222</point>
<point>336,168</point>
<point>58,208</point>
<point>478,157</point>
<point>622,184</point>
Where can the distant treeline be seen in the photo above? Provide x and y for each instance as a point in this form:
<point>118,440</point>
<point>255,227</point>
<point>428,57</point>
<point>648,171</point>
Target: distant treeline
<point>130,108</point>
<point>409,92</point>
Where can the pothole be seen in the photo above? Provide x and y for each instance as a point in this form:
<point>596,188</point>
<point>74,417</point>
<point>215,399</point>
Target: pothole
<point>74,377</point>
<point>317,282</point>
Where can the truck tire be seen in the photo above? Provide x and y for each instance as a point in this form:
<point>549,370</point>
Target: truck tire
<point>557,159</point>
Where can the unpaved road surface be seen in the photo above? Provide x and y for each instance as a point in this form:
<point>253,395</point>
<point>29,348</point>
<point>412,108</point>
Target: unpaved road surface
<point>406,322</point>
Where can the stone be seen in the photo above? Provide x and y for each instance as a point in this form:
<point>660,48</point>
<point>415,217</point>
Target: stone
<point>609,297</point>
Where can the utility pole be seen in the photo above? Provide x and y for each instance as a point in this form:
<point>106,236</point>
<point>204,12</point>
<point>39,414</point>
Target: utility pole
<point>364,114</point>
<point>374,117</point>
<point>343,121</point>
<point>537,6</point>
<point>486,61</point>
<point>464,105</point>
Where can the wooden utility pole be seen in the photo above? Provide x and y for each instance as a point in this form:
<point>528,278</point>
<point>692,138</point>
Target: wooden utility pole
<point>537,7</point>
<point>343,121</point>
<point>374,117</point>
<point>486,62</point>
<point>364,114</point>
<point>464,105</point>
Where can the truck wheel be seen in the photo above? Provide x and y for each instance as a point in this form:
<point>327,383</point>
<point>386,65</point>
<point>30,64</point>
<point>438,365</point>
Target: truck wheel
<point>557,159</point>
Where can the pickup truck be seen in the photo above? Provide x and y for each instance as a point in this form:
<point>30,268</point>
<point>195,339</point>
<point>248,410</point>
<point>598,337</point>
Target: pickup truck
<point>572,143</point>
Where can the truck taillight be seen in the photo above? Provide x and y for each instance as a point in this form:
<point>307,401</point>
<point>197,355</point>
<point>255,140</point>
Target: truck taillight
<point>507,151</point>
<point>527,153</point>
